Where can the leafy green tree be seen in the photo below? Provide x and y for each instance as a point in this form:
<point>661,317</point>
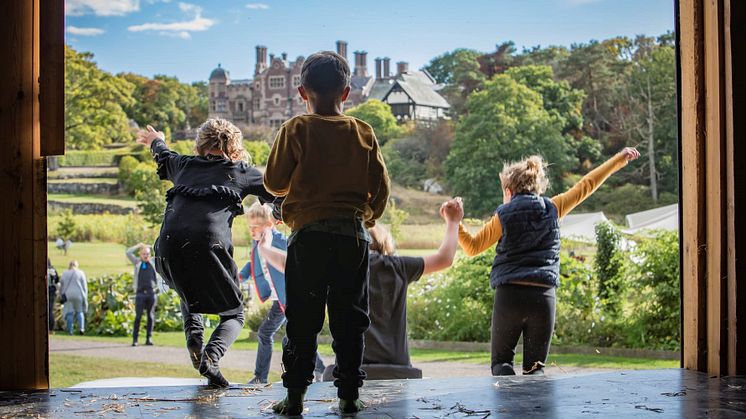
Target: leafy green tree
<point>379,116</point>
<point>66,226</point>
<point>506,121</point>
<point>460,71</point>
<point>95,103</point>
<point>651,91</point>
<point>157,102</point>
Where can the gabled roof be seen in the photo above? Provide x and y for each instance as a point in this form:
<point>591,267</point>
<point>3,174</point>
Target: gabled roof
<point>419,87</point>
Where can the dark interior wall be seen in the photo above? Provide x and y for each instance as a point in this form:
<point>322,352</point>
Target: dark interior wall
<point>23,254</point>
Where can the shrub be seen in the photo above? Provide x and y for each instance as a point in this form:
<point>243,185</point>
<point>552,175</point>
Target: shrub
<point>608,265</point>
<point>111,307</point>
<point>126,166</point>
<point>258,152</point>
<point>124,229</point>
<point>66,226</point>
<point>655,283</point>
<point>90,158</point>
<point>454,305</point>
<point>394,218</point>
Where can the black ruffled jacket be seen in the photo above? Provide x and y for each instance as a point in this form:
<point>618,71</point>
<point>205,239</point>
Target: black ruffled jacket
<point>194,251</point>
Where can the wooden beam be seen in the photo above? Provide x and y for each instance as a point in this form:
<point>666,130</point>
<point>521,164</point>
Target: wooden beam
<point>735,152</point>
<point>715,186</point>
<point>52,77</point>
<point>23,298</point>
<point>691,47</point>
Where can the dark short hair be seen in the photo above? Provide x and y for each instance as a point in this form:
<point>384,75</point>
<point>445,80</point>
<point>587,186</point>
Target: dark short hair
<point>325,73</point>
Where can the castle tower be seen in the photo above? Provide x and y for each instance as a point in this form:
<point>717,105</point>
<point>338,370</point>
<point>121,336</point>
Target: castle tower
<point>261,59</point>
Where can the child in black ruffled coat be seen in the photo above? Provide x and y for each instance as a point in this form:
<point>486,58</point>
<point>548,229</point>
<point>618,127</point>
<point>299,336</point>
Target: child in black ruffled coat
<point>194,252</point>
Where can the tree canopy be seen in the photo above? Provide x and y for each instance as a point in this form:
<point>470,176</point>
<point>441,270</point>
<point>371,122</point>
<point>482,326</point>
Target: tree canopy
<point>379,116</point>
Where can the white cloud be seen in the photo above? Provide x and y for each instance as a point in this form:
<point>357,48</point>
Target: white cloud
<point>257,6</point>
<point>101,7</point>
<point>180,29</point>
<point>74,30</point>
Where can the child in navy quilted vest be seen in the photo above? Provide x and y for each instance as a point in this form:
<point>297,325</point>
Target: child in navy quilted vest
<point>525,272</point>
<point>194,251</point>
<point>266,269</point>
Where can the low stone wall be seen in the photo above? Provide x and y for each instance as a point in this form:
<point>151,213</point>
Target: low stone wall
<point>89,208</point>
<point>84,188</point>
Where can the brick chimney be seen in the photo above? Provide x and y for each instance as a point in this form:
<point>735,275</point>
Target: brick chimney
<point>386,67</point>
<point>342,48</point>
<point>261,59</point>
<point>361,64</point>
<point>379,69</point>
<point>284,56</point>
<point>271,58</point>
<point>402,67</point>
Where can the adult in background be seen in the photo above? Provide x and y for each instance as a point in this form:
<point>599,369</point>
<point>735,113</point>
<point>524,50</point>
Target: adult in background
<point>145,283</point>
<point>53,280</point>
<point>74,296</point>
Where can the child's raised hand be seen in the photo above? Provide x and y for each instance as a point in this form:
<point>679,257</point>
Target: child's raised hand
<point>630,153</point>
<point>266,240</point>
<point>149,135</point>
<point>452,210</point>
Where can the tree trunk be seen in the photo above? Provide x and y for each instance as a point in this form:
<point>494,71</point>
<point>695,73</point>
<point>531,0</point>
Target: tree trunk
<point>651,144</point>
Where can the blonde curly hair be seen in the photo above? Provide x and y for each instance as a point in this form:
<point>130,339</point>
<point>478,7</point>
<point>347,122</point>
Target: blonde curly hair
<point>219,134</point>
<point>525,176</point>
<point>382,242</point>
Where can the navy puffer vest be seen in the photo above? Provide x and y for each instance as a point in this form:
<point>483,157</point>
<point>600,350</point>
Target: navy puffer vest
<point>529,248</point>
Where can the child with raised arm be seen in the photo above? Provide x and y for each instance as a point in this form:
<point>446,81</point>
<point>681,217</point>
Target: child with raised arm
<point>329,168</point>
<point>266,269</point>
<point>194,251</point>
<point>525,271</point>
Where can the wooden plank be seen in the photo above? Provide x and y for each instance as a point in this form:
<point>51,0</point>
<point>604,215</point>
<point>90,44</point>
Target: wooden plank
<point>52,77</point>
<point>716,249</point>
<point>691,50</point>
<point>22,295</point>
<point>730,221</point>
<point>38,215</point>
<point>735,100</point>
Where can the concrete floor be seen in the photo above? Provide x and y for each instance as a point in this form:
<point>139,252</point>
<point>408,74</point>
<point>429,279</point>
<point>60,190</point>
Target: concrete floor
<point>656,394</point>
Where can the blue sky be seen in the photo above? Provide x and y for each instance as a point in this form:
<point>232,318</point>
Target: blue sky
<point>189,38</point>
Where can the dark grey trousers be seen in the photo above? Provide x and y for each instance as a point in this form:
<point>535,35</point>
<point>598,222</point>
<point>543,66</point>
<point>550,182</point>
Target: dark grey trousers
<point>222,337</point>
<point>527,310</point>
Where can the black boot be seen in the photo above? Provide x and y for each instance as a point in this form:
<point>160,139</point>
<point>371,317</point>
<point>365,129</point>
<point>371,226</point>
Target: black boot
<point>194,347</point>
<point>209,369</point>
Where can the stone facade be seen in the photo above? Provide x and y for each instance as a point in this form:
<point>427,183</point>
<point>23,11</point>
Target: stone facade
<point>272,97</point>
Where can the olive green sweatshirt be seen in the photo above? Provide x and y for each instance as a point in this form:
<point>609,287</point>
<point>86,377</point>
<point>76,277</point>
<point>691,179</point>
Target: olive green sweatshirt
<point>327,167</point>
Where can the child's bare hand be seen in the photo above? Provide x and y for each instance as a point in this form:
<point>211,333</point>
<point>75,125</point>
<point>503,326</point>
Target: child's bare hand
<point>630,153</point>
<point>452,210</point>
<point>266,240</point>
<point>149,135</point>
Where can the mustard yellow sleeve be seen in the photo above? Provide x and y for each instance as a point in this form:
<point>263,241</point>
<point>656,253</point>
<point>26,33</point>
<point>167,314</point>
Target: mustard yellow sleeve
<point>378,181</point>
<point>483,240</point>
<point>566,202</point>
<point>280,164</point>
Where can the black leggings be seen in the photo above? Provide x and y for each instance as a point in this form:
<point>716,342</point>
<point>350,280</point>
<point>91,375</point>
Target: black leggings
<point>522,309</point>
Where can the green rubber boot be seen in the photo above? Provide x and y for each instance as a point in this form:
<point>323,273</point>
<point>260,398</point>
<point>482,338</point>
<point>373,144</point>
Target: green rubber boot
<point>292,404</point>
<point>351,406</point>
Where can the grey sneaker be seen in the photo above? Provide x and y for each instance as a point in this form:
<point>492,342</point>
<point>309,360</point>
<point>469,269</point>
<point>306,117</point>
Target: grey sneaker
<point>256,380</point>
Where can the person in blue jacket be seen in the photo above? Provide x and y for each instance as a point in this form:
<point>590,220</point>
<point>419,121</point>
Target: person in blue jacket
<point>266,270</point>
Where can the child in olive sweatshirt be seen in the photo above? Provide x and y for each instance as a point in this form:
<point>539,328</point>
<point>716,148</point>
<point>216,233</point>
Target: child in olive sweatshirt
<point>330,171</point>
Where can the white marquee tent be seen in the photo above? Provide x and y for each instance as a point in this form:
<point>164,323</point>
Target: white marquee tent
<point>581,227</point>
<point>663,218</point>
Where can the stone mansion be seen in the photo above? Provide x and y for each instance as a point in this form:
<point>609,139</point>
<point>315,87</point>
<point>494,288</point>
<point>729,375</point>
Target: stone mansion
<point>271,97</point>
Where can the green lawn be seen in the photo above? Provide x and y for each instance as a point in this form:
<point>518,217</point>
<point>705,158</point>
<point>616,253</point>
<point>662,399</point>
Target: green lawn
<point>121,200</point>
<point>422,355</point>
<point>95,259</point>
<point>68,370</point>
<point>111,181</point>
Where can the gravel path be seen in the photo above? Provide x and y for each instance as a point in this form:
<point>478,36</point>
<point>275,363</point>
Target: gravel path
<point>244,359</point>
